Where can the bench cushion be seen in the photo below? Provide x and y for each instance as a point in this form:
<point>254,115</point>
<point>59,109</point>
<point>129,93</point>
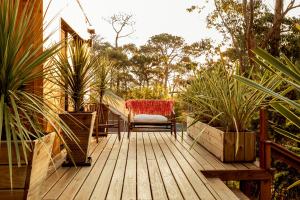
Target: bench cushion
<point>149,118</point>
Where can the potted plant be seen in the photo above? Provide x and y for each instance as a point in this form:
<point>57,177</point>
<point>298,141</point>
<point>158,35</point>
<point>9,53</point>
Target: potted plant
<point>217,99</point>
<point>25,148</point>
<point>74,73</point>
<point>103,93</point>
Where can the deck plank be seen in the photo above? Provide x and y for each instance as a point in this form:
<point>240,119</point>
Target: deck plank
<point>58,184</point>
<point>222,189</point>
<point>72,189</point>
<point>91,180</point>
<point>157,185</point>
<point>185,187</point>
<point>143,181</point>
<point>171,141</point>
<point>129,188</point>
<point>150,165</point>
<point>115,191</point>
<point>208,156</point>
<point>198,186</point>
<point>102,186</point>
<point>170,183</point>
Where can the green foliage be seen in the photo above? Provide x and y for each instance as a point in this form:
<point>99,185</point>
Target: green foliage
<point>154,92</point>
<point>215,96</point>
<point>285,181</point>
<point>74,73</point>
<point>103,78</point>
<point>21,111</point>
<point>290,75</point>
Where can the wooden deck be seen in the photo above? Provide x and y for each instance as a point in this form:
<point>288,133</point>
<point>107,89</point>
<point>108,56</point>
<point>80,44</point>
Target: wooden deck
<point>148,166</point>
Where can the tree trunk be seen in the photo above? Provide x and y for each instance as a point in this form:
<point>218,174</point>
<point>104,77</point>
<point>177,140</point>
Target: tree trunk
<point>166,77</point>
<point>275,40</point>
<point>116,40</point>
<point>249,36</point>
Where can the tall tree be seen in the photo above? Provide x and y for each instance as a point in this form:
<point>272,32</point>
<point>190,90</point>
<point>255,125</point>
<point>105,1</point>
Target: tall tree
<point>273,36</point>
<point>123,25</point>
<point>168,49</point>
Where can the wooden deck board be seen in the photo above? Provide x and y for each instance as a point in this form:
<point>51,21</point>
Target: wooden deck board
<point>185,186</point>
<point>157,184</point>
<point>170,183</point>
<point>195,181</point>
<point>115,192</point>
<point>102,186</point>
<point>72,189</point>
<point>129,187</point>
<point>150,165</point>
<point>143,180</point>
<point>91,180</point>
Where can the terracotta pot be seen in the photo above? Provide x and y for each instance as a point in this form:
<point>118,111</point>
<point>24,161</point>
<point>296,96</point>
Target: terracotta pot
<point>82,125</point>
<point>27,179</point>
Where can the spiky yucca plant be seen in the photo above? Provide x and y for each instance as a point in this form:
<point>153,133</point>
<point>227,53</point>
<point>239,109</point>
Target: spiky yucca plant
<point>21,58</point>
<point>74,73</point>
<point>103,79</point>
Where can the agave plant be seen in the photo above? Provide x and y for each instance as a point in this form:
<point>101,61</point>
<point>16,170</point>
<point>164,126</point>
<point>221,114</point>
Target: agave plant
<point>74,73</point>
<point>215,96</point>
<point>21,59</point>
<point>289,74</point>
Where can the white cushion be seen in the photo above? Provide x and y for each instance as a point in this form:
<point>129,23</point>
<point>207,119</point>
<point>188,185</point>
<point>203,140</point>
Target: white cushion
<point>149,118</point>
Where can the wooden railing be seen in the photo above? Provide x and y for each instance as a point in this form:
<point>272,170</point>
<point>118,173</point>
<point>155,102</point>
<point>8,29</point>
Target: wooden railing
<point>268,150</point>
<point>117,105</point>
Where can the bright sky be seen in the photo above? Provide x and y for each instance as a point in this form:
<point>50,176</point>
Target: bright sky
<point>154,17</point>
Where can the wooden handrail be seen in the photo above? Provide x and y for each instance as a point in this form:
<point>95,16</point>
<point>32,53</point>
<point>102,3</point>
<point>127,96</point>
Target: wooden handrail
<point>281,153</point>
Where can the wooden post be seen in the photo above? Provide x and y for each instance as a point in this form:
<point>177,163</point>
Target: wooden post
<point>264,155</point>
<point>266,185</point>
<point>262,136</point>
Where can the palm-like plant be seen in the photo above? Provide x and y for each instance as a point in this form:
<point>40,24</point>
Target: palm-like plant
<point>21,58</point>
<point>74,73</point>
<point>289,74</point>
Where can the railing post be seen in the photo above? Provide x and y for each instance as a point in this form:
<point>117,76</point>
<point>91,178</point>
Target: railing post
<point>263,136</point>
<point>264,155</point>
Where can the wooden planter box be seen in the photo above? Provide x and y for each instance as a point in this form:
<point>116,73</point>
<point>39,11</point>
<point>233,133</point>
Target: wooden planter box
<point>27,179</point>
<point>82,125</point>
<point>223,144</point>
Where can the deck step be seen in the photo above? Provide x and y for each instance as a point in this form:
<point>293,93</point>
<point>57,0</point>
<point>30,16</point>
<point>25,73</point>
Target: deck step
<point>239,194</point>
<point>221,189</point>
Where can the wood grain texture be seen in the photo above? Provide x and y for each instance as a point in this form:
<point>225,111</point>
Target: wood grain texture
<point>223,144</point>
<point>27,177</point>
<point>149,165</point>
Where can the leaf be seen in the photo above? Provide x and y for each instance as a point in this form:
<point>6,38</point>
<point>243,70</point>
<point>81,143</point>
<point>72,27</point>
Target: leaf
<point>274,62</point>
<point>267,91</point>
<point>287,134</point>
<point>287,113</point>
<point>196,139</point>
<point>293,185</point>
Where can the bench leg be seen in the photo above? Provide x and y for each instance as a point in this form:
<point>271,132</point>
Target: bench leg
<point>129,129</point>
<point>119,132</point>
<point>174,126</point>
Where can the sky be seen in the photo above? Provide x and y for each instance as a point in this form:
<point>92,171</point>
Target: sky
<point>154,17</point>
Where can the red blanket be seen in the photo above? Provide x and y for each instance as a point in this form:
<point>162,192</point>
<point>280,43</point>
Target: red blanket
<point>153,107</point>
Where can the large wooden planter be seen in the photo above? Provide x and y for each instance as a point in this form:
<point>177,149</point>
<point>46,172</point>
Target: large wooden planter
<point>27,179</point>
<point>223,144</point>
<point>82,125</point>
